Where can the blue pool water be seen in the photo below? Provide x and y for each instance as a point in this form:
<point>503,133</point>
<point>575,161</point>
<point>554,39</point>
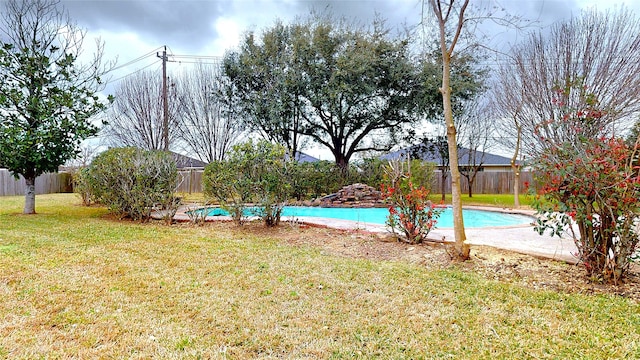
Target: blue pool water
<point>472,218</point>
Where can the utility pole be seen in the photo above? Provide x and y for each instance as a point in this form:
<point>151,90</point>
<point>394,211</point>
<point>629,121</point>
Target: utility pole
<point>165,104</point>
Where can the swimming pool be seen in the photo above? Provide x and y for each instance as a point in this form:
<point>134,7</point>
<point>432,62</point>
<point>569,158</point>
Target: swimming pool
<point>472,218</point>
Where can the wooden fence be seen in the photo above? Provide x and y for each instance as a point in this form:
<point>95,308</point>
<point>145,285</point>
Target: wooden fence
<point>191,182</point>
<point>490,182</point>
<point>45,184</point>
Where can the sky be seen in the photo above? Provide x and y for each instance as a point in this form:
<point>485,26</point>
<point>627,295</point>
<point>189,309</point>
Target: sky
<point>133,31</point>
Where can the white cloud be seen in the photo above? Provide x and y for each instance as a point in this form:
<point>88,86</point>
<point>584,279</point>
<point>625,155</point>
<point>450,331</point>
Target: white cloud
<point>229,32</point>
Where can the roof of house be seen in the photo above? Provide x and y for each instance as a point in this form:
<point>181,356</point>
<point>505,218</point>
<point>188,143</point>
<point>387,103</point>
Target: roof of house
<point>183,161</point>
<point>303,158</point>
<point>464,156</point>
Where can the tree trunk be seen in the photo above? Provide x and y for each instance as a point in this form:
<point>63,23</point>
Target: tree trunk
<point>443,184</point>
<point>30,194</point>
<point>516,167</point>
<point>516,185</point>
<point>343,164</point>
<point>462,249</point>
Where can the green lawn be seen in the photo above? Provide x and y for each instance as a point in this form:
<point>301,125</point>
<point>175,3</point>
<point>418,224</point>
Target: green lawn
<point>500,200</point>
<point>76,284</point>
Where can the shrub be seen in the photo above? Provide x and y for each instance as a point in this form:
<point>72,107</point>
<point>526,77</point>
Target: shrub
<point>223,182</point>
<point>131,182</point>
<point>371,171</point>
<point>82,186</point>
<point>410,210</point>
<point>594,184</point>
<point>314,179</point>
<point>197,214</point>
<point>253,172</point>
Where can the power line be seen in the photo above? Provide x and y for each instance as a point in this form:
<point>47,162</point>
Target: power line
<point>142,57</point>
<point>198,62</point>
<point>197,57</point>
<point>134,72</point>
<point>214,57</point>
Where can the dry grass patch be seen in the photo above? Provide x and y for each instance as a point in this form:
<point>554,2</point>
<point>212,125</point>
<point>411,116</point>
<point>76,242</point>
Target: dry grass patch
<point>77,284</point>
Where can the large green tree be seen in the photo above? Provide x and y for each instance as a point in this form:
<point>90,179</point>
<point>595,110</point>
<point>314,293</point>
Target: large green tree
<point>46,97</point>
<point>351,88</point>
<point>467,82</point>
<point>268,86</point>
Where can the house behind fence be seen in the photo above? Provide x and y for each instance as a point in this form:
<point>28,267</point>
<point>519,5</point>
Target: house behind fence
<point>45,184</point>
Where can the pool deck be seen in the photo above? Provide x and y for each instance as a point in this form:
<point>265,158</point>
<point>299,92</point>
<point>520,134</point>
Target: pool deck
<point>520,238</point>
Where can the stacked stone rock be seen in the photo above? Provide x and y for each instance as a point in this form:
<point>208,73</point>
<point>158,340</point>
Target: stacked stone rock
<point>354,195</point>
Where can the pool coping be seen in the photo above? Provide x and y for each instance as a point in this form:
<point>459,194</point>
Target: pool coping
<point>519,238</point>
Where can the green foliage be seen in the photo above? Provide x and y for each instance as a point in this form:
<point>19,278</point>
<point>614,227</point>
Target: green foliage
<point>223,182</point>
<point>410,209</point>
<point>131,181</point>
<point>371,172</point>
<point>349,88</point>
<point>82,186</point>
<point>594,184</point>
<point>46,97</point>
<point>267,85</point>
<point>421,173</point>
<point>253,172</point>
<point>314,179</point>
<point>467,81</point>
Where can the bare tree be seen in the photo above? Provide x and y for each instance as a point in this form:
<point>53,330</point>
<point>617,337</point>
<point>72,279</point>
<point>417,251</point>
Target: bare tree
<point>597,53</point>
<point>450,20</point>
<point>474,139</point>
<point>136,117</point>
<point>435,149</point>
<point>209,119</point>
<point>475,132</point>
<point>84,157</point>
<point>508,104</point>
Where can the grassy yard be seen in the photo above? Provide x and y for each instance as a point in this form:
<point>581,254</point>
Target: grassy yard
<point>76,284</point>
<point>499,200</point>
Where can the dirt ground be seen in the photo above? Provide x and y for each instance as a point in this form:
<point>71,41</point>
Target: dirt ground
<point>492,263</point>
